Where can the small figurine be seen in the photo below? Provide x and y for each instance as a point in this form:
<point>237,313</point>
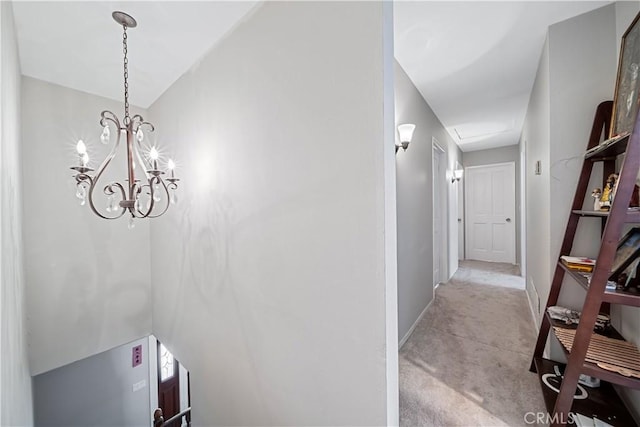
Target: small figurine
<point>607,194</point>
<point>596,194</point>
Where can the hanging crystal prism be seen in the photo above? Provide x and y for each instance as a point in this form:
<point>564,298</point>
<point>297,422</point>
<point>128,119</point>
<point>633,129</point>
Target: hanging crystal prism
<point>112,206</point>
<point>106,134</point>
<point>156,193</point>
<point>81,194</point>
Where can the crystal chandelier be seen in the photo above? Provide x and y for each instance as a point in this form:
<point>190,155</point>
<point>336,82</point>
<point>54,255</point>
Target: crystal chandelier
<point>149,197</point>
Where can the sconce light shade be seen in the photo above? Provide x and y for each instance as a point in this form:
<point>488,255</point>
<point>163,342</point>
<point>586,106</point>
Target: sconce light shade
<point>405,132</point>
<point>457,174</point>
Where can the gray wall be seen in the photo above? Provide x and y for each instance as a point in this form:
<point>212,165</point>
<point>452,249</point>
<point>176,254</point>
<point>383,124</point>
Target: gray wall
<point>88,279</point>
<point>269,275</point>
<point>15,381</point>
<point>487,157</point>
<point>500,155</point>
<point>414,203</point>
<point>95,391</point>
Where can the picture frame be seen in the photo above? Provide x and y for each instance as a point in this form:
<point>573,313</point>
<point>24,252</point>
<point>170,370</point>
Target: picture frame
<point>628,250</point>
<point>626,98</point>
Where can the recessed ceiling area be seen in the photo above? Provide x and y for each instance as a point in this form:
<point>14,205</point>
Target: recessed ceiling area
<point>475,62</point>
<point>77,44</point>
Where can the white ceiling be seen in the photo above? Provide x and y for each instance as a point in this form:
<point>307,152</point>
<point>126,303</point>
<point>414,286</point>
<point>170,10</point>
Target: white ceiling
<point>79,45</point>
<point>475,62</point>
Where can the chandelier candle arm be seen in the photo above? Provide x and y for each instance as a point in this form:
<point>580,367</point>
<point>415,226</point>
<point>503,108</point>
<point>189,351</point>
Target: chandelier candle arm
<point>132,193</point>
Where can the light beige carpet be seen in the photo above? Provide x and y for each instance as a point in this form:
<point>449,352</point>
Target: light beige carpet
<point>466,363</point>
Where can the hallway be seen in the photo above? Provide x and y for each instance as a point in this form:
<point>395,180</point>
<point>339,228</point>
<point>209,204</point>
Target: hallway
<point>467,361</point>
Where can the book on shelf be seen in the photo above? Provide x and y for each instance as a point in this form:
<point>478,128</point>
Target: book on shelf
<point>607,142</point>
<point>578,263</point>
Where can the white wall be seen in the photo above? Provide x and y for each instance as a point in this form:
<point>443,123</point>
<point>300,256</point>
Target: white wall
<point>88,279</point>
<point>556,130</point>
<point>414,203</point>
<point>585,43</point>
<point>96,391</point>
<point>501,155</point>
<point>15,381</point>
<point>269,275</point>
<point>536,139</point>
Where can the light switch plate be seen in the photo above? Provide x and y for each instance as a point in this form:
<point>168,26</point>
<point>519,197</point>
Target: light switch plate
<point>139,385</point>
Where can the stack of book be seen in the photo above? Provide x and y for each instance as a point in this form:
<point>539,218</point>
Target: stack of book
<point>578,263</point>
<point>606,143</point>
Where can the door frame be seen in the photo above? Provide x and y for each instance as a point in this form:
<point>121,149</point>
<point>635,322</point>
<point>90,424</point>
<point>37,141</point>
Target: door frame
<point>438,191</point>
<point>515,216</point>
<point>174,379</point>
<point>461,220</point>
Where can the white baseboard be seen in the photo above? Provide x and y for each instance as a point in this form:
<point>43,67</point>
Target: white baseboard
<point>410,331</point>
<point>534,315</point>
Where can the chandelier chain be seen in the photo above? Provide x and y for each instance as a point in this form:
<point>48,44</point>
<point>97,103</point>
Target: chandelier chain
<point>126,76</point>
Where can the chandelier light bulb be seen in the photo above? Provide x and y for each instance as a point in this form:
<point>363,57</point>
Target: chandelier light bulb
<point>81,148</point>
<point>153,153</point>
<point>172,167</point>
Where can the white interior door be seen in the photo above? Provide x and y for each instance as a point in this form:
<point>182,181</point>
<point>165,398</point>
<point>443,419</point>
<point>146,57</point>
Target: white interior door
<point>490,194</point>
<point>439,215</point>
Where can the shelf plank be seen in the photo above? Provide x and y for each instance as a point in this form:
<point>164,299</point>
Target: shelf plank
<point>633,214</point>
<point>610,296</point>
<point>610,151</point>
<point>610,333</point>
<point>594,370</point>
<point>602,402</point>
<point>591,213</point>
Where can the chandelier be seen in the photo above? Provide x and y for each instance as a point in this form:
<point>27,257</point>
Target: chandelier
<point>144,194</point>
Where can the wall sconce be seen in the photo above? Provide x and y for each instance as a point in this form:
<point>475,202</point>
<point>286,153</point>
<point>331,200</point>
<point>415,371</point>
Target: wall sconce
<point>405,132</point>
<point>457,174</point>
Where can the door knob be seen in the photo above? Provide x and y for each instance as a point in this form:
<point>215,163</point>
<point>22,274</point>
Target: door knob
<point>508,219</point>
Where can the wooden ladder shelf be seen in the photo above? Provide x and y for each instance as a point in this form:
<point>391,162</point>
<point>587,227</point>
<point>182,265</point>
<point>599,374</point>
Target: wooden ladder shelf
<point>608,407</point>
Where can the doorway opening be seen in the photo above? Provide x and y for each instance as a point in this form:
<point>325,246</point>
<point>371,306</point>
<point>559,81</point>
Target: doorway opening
<point>172,394</point>
<point>439,215</point>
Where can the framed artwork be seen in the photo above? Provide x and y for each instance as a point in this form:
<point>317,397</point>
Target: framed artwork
<point>625,100</point>
<point>628,250</point>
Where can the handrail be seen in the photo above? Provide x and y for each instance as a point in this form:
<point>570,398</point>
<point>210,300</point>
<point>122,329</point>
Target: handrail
<point>158,420</point>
